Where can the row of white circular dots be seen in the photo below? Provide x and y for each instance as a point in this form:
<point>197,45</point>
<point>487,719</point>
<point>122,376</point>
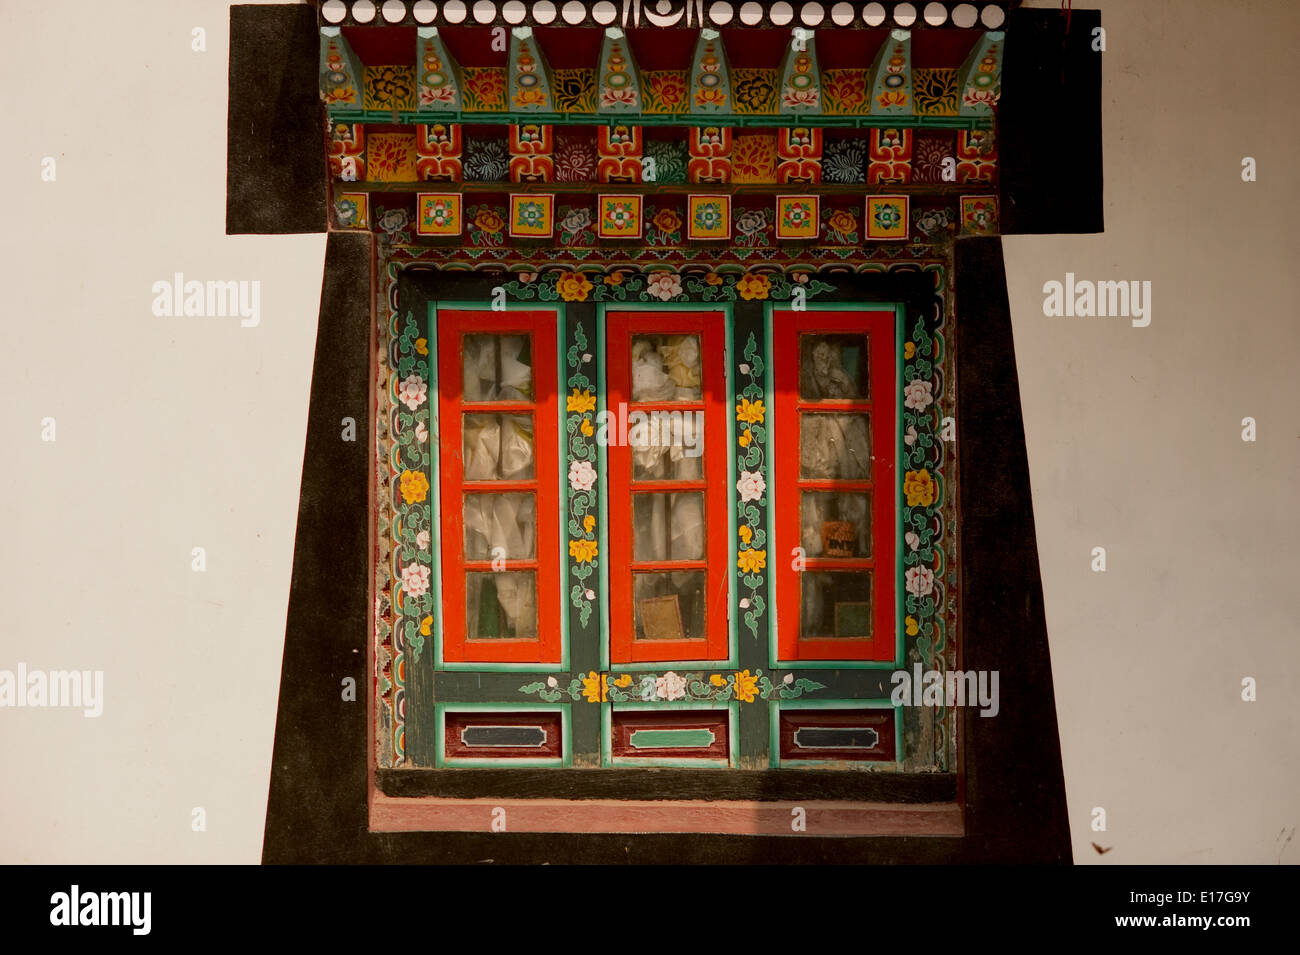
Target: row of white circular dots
<point>605,12</point>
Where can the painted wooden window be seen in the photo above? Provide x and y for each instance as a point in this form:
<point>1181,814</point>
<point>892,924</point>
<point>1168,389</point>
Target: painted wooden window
<point>497,408</point>
<point>668,536</point>
<point>834,484</point>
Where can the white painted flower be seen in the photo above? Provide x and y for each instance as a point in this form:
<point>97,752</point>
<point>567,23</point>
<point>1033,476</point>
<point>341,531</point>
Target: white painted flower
<point>421,432</point>
<point>590,595</point>
<point>413,391</point>
<point>415,580</point>
<point>920,581</point>
<point>670,686</point>
<point>909,439</point>
<point>582,476</point>
<point>649,688</point>
<point>586,357</point>
<point>664,285</point>
<point>751,485</point>
<point>788,679</point>
<point>744,603</point>
<point>422,540</point>
<point>744,368</point>
<point>916,395</point>
<point>912,540</point>
<point>552,682</point>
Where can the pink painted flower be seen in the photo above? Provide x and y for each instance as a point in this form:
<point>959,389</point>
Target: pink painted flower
<point>909,439</point>
<point>617,97</point>
<point>912,540</point>
<point>670,686</point>
<point>751,486</point>
<point>422,540</point>
<point>415,580</point>
<point>421,432</point>
<point>664,285</point>
<point>413,391</point>
<point>582,476</point>
<point>916,395</point>
<point>920,581</point>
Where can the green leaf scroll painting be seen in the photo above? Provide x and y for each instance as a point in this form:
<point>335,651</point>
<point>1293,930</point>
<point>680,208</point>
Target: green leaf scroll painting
<point>413,550</point>
<point>922,489</point>
<point>580,405</point>
<point>661,287</point>
<point>741,685</point>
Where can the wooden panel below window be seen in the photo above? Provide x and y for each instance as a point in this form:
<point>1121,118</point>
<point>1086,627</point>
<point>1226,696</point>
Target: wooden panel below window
<point>670,734</point>
<point>858,735</point>
<point>514,735</point>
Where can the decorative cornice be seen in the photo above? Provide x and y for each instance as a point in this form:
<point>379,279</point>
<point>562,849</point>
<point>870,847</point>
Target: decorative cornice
<point>815,14</point>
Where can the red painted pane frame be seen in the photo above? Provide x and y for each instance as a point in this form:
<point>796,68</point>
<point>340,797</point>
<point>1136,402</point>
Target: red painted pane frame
<point>452,326</point>
<point>619,329</point>
<point>881,404</point>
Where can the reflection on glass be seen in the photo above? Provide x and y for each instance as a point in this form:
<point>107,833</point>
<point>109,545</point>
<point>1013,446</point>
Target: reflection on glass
<point>835,446</point>
<point>498,367</point>
<point>668,526</point>
<point>505,521</point>
<point>668,605</point>
<point>833,366</point>
<point>666,445</point>
<point>498,447</point>
<point>501,606</point>
<point>835,604</point>
<point>666,368</point>
<point>835,524</point>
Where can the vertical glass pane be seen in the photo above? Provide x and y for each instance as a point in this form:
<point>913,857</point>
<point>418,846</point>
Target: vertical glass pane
<point>498,367</point>
<point>505,521</point>
<point>668,526</point>
<point>835,446</point>
<point>833,366</point>
<point>501,606</point>
<point>835,524</point>
<point>498,447</point>
<point>666,445</point>
<point>669,606</point>
<point>835,604</point>
<point>666,368</point>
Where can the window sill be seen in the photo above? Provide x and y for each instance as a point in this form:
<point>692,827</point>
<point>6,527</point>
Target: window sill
<point>734,802</point>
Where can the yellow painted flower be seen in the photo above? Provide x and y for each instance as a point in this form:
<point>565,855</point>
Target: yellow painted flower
<point>745,438</point>
<point>746,686</point>
<point>912,626</point>
<point>414,486</point>
<point>666,220</point>
<point>713,278</point>
<point>746,534</point>
<point>614,278</point>
<point>582,551</point>
<point>751,287</point>
<point>718,680</point>
<point>909,349</point>
<point>581,401</point>
<point>919,488</point>
<point>586,428</point>
<point>425,626</point>
<point>843,222</point>
<point>588,523</point>
<point>489,221</point>
<point>595,688</point>
<point>751,561</point>
<point>750,412</point>
<point>422,346</point>
<point>624,680</point>
<point>573,287</point>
